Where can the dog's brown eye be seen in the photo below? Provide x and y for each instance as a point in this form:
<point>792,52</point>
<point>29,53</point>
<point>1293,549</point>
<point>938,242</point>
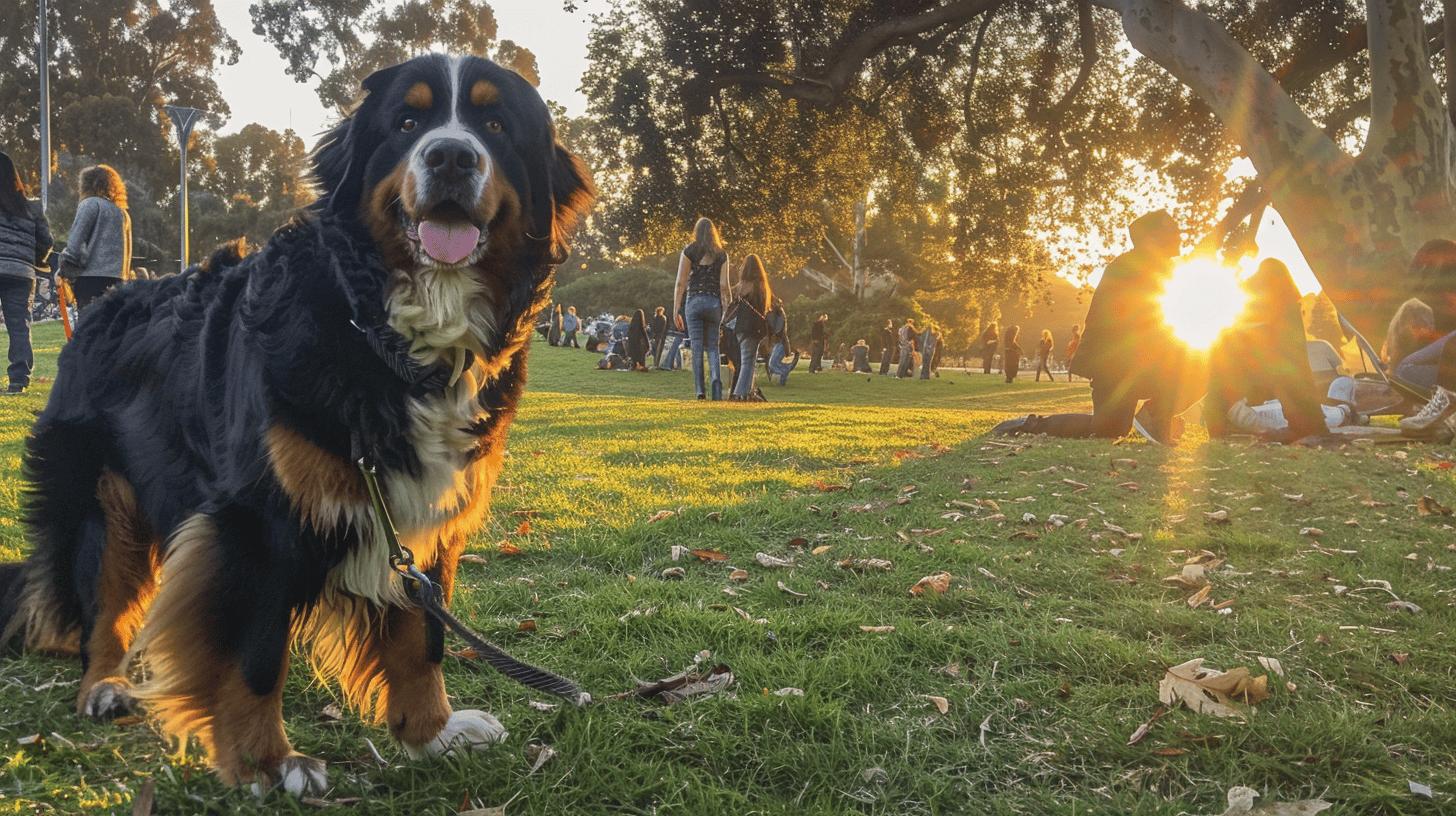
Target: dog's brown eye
<point>494,126</point>
<point>408,125</point>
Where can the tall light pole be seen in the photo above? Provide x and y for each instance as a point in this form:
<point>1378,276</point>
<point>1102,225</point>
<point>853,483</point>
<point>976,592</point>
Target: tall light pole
<point>184,119</point>
<point>43,66</point>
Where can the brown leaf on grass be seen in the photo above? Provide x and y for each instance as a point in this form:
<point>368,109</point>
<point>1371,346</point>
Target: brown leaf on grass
<point>941,704</point>
<point>798,541</point>
<point>1210,691</point>
<point>739,575</point>
<point>472,558</point>
<point>1142,730</point>
<point>1402,606</point>
<point>527,625</point>
<point>1241,803</point>
<point>1198,598</point>
<point>1311,532</point>
<point>538,754</point>
<point>938,583</point>
<point>674,574</point>
<point>1428,506</point>
<point>1169,752</point>
<point>332,711</point>
<point>1124,464</point>
<point>524,528</point>
<point>866,564</point>
<point>1399,658</point>
<point>1132,487</point>
<point>710,555</point>
<point>1272,665</point>
<point>821,549</point>
<point>1217,517</point>
<point>829,487</point>
<point>660,515</point>
<point>694,682</point>
<point>508,548</point>
<point>877,630</point>
<point>772,561</point>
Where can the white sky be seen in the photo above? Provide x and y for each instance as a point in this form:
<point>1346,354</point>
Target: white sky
<point>258,90</point>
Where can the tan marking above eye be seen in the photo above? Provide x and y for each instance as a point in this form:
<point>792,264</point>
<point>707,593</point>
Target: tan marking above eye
<point>483,93</point>
<point>419,96</point>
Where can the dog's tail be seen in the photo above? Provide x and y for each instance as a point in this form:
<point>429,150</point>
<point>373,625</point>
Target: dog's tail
<point>39,602</point>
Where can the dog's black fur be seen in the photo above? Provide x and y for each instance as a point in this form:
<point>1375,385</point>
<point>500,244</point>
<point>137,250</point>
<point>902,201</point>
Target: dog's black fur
<point>172,385</point>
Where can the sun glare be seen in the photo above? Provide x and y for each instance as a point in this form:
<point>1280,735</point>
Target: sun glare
<point>1202,298</point>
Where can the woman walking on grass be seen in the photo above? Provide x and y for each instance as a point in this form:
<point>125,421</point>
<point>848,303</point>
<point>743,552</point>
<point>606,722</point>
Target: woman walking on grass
<point>1044,355</point>
<point>25,244</point>
<point>753,298</point>
<point>98,251</point>
<point>988,347</point>
<point>1011,353</point>
<point>1072,346</point>
<point>698,299</point>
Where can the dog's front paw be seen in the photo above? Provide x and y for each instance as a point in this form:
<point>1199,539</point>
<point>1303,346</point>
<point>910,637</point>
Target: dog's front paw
<point>110,697</point>
<point>465,730</point>
<point>299,775</point>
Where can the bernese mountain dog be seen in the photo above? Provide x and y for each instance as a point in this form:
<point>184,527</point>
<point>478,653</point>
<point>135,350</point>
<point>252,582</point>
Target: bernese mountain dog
<point>194,505</point>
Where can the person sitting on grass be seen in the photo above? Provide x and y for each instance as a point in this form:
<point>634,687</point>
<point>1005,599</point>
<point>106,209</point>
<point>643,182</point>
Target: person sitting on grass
<point>1434,365</point>
<point>1127,350</point>
<point>860,355</point>
<point>1011,353</point>
<point>1263,358</point>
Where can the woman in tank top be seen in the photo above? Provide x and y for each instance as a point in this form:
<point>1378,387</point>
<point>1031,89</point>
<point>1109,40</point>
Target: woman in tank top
<point>698,300</point>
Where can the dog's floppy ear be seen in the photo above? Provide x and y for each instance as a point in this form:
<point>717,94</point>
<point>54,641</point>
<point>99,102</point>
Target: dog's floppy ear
<point>561,193</point>
<point>340,157</point>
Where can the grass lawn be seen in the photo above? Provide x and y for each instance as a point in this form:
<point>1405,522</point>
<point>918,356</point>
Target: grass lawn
<point>1047,649</point>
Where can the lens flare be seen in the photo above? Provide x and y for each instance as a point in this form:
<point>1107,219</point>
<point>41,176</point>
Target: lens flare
<point>1201,299</point>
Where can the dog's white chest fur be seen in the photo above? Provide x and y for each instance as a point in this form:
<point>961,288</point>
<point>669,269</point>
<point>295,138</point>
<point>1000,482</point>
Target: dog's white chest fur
<point>445,313</point>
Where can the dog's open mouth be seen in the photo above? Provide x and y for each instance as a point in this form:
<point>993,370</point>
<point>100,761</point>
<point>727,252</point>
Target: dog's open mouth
<point>445,236</point>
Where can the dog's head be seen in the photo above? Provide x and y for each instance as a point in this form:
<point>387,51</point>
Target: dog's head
<point>451,162</point>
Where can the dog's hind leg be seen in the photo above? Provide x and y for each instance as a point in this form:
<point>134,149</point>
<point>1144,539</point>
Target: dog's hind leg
<point>123,587</point>
<point>215,647</point>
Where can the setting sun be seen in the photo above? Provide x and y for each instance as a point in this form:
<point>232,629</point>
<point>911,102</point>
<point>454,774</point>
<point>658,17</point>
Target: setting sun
<point>1202,298</point>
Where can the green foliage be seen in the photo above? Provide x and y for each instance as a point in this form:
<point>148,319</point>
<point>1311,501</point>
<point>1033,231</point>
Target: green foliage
<point>619,291</point>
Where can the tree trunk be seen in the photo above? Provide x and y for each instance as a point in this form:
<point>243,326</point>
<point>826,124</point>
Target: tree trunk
<point>1357,219</point>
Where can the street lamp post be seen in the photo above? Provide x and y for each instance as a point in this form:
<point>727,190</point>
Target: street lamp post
<point>183,119</point>
<point>43,67</point>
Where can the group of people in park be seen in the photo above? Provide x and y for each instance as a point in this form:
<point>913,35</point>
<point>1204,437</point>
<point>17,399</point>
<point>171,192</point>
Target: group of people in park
<point>96,256</point>
<point>1258,377</point>
<point>992,340</point>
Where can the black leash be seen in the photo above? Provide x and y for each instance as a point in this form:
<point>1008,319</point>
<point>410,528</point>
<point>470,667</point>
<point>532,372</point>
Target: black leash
<point>429,598</point>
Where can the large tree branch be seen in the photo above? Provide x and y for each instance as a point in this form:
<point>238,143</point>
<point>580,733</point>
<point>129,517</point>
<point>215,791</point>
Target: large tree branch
<point>1448,41</point>
<point>851,52</point>
<point>1087,35</point>
<point>1406,119</point>
<point>1275,133</point>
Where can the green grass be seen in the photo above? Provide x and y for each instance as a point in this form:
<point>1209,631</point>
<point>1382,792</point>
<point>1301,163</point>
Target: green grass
<point>1057,643</point>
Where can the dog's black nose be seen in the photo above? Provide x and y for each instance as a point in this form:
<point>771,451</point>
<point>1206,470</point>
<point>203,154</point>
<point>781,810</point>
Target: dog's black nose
<point>451,158</point>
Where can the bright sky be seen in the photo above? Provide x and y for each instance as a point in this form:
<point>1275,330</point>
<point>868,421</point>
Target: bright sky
<point>258,90</point>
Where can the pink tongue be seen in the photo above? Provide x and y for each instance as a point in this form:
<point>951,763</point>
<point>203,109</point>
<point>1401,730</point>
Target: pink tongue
<point>448,243</point>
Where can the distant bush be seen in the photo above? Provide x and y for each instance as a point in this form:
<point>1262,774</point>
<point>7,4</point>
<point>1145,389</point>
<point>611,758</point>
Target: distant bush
<point>619,291</point>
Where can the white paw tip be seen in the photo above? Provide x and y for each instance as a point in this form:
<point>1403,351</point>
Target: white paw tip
<point>468,730</point>
<point>302,776</point>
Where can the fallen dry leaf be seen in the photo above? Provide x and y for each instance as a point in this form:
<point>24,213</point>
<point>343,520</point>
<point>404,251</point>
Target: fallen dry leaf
<point>739,575</point>
<point>941,704</point>
<point>508,548</point>
<point>1217,517</point>
<point>1192,576</point>
<point>472,558</point>
<point>937,583</point>
<point>694,682</point>
<point>674,574</point>
<point>538,754</point>
<point>866,564</point>
<point>1428,506</point>
<point>524,528</point>
<point>1312,532</point>
<point>710,555</point>
<point>877,630</point>
<point>660,515</point>
<point>821,549</point>
<point>1210,691</point>
<point>1272,665</point>
<point>784,588</point>
<point>1198,598</point>
<point>527,625</point>
<point>773,561</point>
<point>1241,803</point>
<point>1402,606</point>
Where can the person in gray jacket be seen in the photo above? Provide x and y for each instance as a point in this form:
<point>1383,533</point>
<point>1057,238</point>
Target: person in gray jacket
<point>25,244</point>
<point>98,249</point>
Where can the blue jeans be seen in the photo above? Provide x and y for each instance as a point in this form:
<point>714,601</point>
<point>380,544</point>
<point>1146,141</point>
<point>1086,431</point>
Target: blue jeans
<point>672,354</point>
<point>703,315</point>
<point>778,366</point>
<point>16,296</point>
<point>1419,367</point>
<point>747,365</point>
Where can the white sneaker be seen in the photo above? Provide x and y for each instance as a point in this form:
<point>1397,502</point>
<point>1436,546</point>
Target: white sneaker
<point>1431,419</point>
